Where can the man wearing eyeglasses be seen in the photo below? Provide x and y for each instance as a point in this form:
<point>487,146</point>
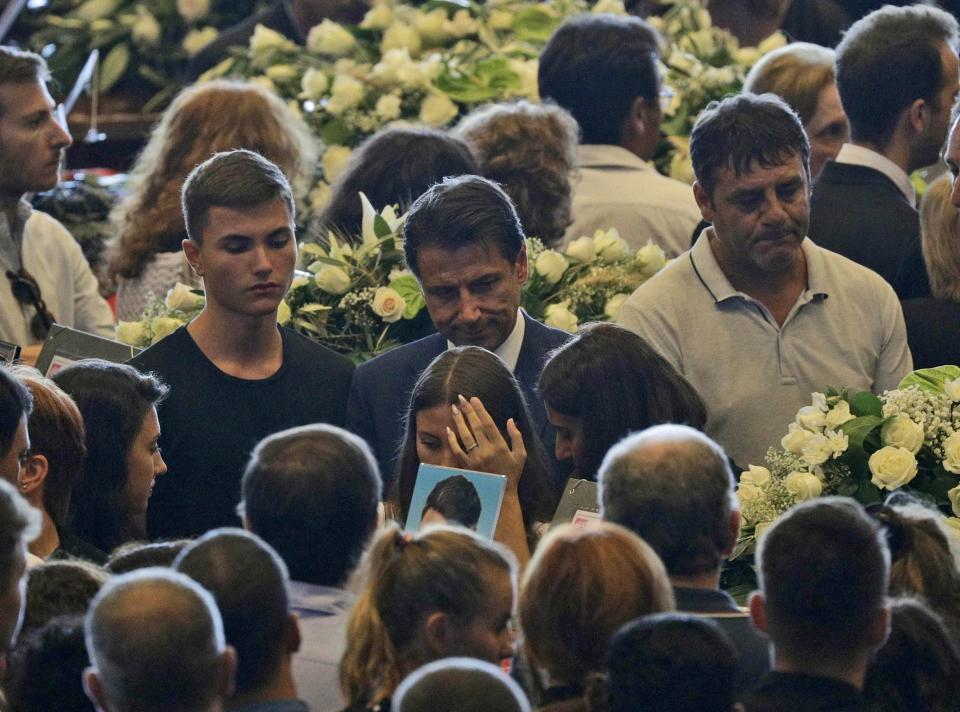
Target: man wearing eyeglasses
<point>604,70</point>
<point>47,277</point>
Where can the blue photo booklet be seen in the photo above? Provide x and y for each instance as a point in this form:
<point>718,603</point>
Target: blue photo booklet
<point>446,495</point>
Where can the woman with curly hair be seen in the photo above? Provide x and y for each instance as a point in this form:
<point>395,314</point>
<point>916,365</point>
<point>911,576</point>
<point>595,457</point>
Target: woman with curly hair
<point>202,120</point>
<point>531,151</point>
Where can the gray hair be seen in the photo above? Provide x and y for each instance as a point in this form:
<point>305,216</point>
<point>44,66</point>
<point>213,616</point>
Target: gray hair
<point>673,486</point>
<point>460,685</point>
<point>155,641</point>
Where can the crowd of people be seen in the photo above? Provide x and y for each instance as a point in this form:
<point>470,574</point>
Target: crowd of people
<point>218,524</point>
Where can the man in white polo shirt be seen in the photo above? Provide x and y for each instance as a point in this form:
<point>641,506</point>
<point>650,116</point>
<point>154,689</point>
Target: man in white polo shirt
<point>897,73</point>
<point>755,315</point>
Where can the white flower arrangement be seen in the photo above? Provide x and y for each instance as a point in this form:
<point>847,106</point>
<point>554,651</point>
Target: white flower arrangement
<point>864,446</point>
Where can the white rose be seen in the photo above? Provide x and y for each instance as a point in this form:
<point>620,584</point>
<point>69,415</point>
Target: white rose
<point>379,17</point>
<point>283,313</point>
<point>388,304</point>
<point>313,84</point>
<point>817,449</point>
<point>401,36</point>
<point>432,25</point>
<point>747,492</point>
<point>952,389</point>
<point>132,332</point>
<point>611,7</point>
<point>582,250</point>
<point>333,280</point>
<point>551,265</point>
<point>811,417</point>
<point>334,161</point>
<point>951,451</point>
<point>146,29</point>
<point>462,24</point>
<point>803,485</point>
<point>559,316</point>
<point>196,40</point>
<point>795,439</point>
<point>299,282</point>
<point>264,39</point>
<point>839,414</point>
<point>163,326</point>
<point>756,476</point>
<point>281,72</point>
<point>182,298</point>
<point>345,94</point>
<point>652,257</point>
<point>717,77</point>
<point>330,38</point>
<point>193,10</point>
<point>388,107</point>
<point>437,110</point>
<point>614,305</point>
<point>501,19</point>
<point>892,467</point>
<point>609,245</point>
<point>954,496</point>
<point>901,431</point>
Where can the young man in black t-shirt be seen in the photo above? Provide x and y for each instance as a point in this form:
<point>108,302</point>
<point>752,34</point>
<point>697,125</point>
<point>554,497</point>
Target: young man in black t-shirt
<point>235,376</point>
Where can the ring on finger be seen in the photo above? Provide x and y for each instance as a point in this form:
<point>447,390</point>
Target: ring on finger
<point>472,447</point>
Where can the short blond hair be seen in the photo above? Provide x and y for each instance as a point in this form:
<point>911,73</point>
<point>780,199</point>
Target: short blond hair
<point>940,239</point>
<point>796,73</point>
<point>580,586</point>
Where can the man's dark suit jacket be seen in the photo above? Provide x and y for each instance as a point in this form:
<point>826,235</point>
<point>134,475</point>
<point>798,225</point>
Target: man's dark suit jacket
<point>381,387</point>
<point>861,214</point>
<point>933,331</point>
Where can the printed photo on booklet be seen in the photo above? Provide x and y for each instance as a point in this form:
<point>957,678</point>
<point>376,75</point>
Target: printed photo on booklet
<point>446,495</point>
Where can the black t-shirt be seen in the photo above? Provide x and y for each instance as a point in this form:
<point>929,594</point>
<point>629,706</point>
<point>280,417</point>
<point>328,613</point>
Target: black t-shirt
<point>795,692</point>
<point>211,421</point>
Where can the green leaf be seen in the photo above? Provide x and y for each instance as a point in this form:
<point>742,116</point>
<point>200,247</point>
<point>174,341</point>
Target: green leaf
<point>381,228</point>
<point>931,379</point>
<point>408,288</point>
<point>329,261</point>
<point>336,132</point>
<point>867,493</point>
<point>866,403</point>
<point>534,25</point>
<point>939,487</point>
<point>113,66</point>
<point>858,430</point>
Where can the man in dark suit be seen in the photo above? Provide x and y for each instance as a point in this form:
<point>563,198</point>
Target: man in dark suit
<point>897,73</point>
<point>464,243</point>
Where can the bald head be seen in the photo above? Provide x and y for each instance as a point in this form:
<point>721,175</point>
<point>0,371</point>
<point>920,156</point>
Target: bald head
<point>156,642</point>
<point>460,685</point>
<point>673,486</point>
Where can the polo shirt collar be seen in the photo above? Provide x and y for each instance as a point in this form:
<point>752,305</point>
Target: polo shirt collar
<point>708,270</point>
<point>604,155</point>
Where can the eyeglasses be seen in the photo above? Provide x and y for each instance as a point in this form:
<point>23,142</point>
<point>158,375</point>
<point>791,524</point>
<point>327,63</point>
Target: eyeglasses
<point>27,291</point>
<point>666,97</point>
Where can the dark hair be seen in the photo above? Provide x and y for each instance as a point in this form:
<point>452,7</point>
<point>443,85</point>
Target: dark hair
<point>18,67</point>
<point>823,569</point>
<point>312,493</point>
<point>114,399</point>
<point>887,60</point>
<point>140,555</point>
<point>393,167</point>
<point>249,583</point>
<point>466,210</point>
<point>531,151</point>
<point>742,130</point>
<point>672,486</point>
<point>457,500</point>
<point>665,662</point>
<point>57,588</point>
<point>615,383</point>
<point>918,668</point>
<point>57,433</point>
<point>475,372</point>
<point>595,66</point>
<point>46,669</point>
<point>19,523</point>
<point>15,403</point>
<point>922,560</point>
<point>238,180</point>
